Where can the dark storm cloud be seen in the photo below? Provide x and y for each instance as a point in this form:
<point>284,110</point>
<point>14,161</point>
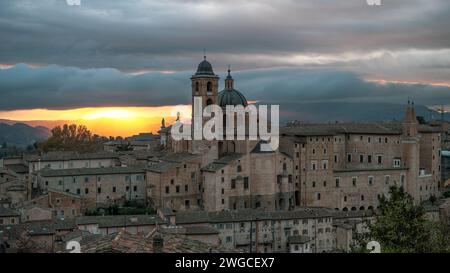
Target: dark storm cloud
<point>140,34</point>
<point>84,54</point>
<point>56,87</point>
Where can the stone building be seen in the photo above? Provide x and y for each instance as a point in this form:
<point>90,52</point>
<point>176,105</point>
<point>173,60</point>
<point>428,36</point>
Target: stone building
<point>445,168</point>
<point>9,216</point>
<point>72,160</point>
<point>54,204</point>
<point>264,231</point>
<point>347,166</point>
<point>96,186</point>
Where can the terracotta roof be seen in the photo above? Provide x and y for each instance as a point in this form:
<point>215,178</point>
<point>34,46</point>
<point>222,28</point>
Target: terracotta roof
<point>6,212</point>
<point>120,220</point>
<point>64,156</point>
<point>248,215</point>
<point>330,129</point>
<point>124,242</point>
<point>91,171</point>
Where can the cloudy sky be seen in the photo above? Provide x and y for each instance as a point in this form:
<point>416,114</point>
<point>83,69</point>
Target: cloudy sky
<point>142,52</point>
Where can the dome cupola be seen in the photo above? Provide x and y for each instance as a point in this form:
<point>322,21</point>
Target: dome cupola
<point>230,96</point>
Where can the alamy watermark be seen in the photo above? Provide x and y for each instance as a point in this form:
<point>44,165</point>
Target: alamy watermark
<point>73,2</point>
<point>252,124</point>
<point>374,2</point>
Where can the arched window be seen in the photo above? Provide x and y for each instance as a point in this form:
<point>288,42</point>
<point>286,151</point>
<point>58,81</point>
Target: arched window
<point>239,168</point>
<point>284,167</point>
<point>233,147</point>
<point>361,208</point>
<point>197,87</point>
<point>209,87</point>
<point>353,208</point>
<point>345,209</point>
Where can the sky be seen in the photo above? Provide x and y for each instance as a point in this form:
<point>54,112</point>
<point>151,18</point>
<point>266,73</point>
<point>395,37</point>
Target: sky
<point>138,55</point>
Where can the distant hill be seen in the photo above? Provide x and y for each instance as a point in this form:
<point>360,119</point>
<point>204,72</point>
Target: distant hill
<point>21,135</point>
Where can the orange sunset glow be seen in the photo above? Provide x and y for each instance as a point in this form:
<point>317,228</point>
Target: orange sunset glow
<point>105,121</point>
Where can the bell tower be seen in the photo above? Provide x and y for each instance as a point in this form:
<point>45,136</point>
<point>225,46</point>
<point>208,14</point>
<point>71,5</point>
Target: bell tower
<point>205,84</point>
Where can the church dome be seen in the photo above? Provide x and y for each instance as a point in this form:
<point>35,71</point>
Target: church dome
<point>231,97</point>
<point>205,68</point>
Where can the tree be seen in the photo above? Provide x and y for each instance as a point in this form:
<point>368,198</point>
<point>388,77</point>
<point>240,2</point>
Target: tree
<point>72,138</point>
<point>401,226</point>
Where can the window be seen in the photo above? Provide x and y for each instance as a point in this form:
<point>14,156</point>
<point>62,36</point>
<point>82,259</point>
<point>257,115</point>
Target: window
<point>114,189</point>
<point>167,189</point>
<point>362,197</point>
<point>337,182</point>
<point>78,191</point>
<point>239,168</point>
<point>86,190</point>
<point>86,179</point>
<point>379,159</point>
<point>369,159</point>
<point>325,151</point>
<point>313,165</point>
<point>397,163</point>
<point>186,188</point>
<point>386,179</point>
<point>284,166</point>
<point>354,181</point>
<point>325,164</point>
<point>177,189</point>
<point>197,87</point>
<point>127,188</point>
<point>318,196</point>
<point>335,158</point>
<point>135,188</point>
<point>324,183</point>
<point>313,184</point>
<point>246,183</point>
<point>209,87</point>
<point>349,158</point>
<point>233,183</point>
<point>345,198</point>
<point>361,158</point>
<point>371,179</point>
